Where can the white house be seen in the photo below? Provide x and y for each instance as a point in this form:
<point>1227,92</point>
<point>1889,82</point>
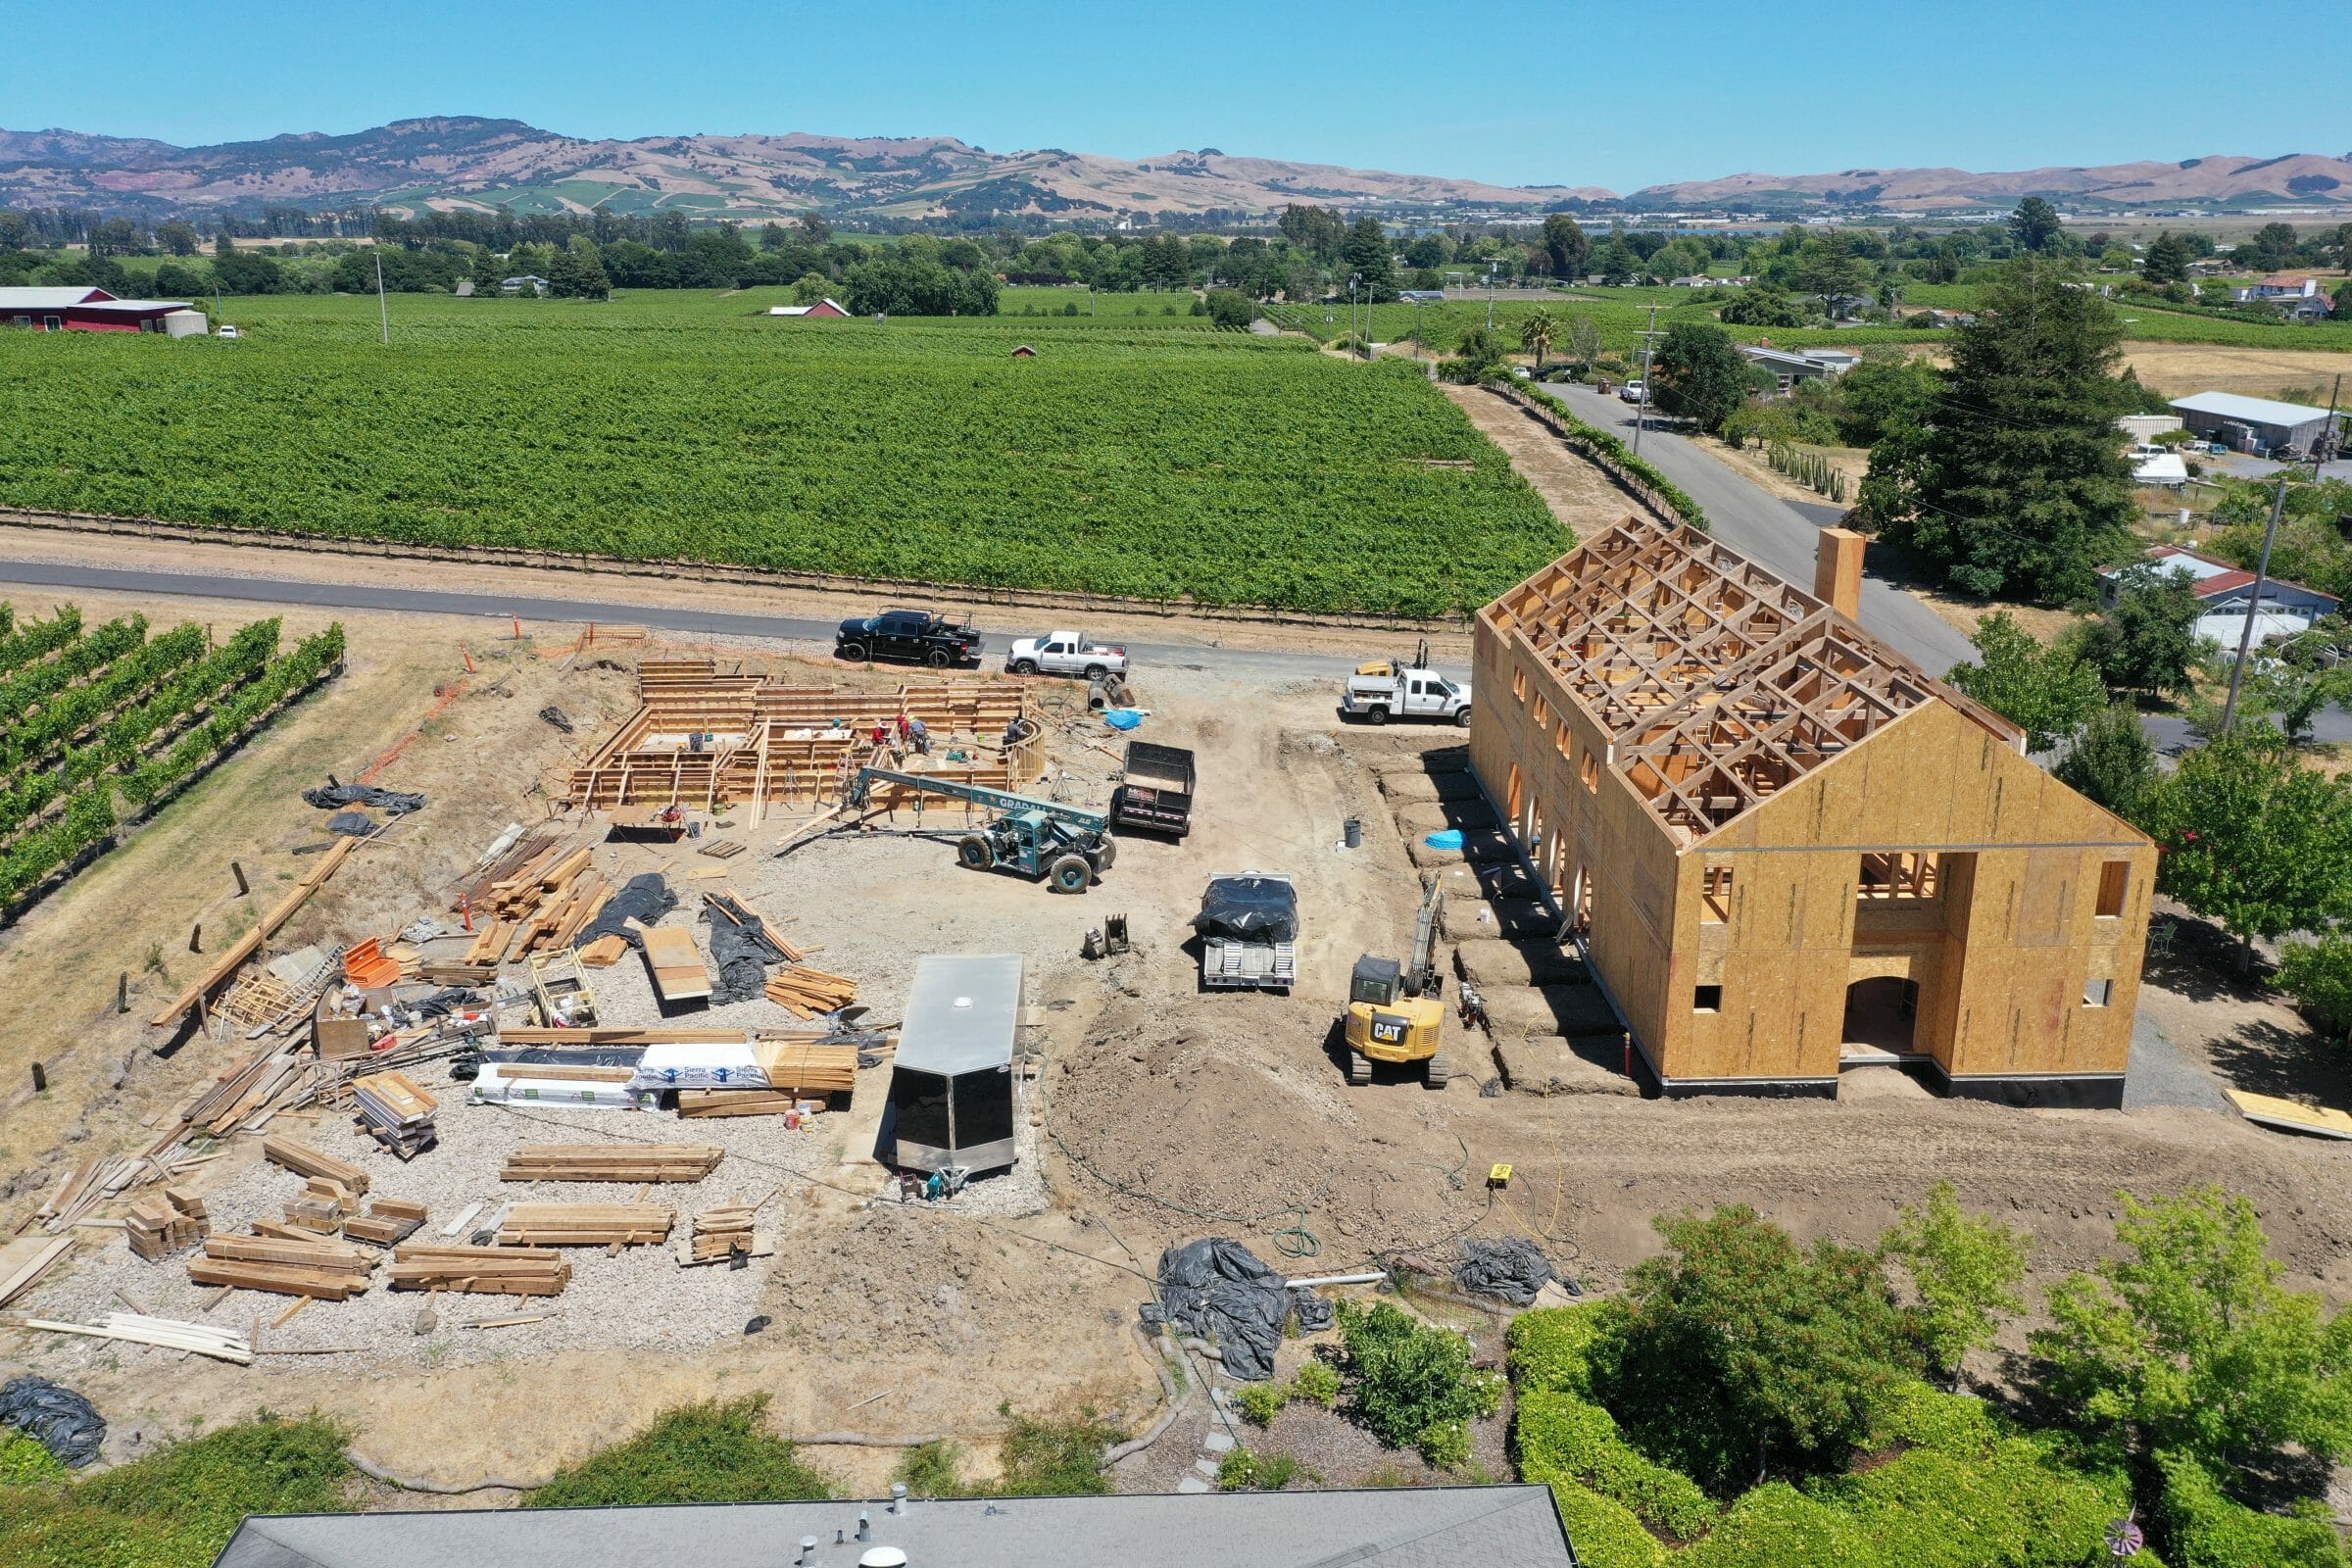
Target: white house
<point>2226,591</point>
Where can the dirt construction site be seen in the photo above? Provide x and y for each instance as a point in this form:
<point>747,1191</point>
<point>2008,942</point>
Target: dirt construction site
<point>1149,1112</point>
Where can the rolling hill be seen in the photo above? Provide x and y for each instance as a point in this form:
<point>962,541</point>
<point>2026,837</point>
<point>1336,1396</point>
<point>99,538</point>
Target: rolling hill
<point>461,161</point>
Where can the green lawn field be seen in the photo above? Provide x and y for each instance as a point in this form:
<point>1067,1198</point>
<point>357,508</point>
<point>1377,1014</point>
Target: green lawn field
<point>1124,458</point>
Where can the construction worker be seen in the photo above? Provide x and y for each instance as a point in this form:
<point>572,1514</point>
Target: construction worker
<point>918,736</point>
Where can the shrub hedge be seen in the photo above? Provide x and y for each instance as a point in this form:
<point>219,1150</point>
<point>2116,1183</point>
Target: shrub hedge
<point>1562,1436</point>
<point>2206,1529</point>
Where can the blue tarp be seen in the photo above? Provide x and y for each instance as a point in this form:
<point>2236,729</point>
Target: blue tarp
<point>1445,839</point>
<point>1123,718</point>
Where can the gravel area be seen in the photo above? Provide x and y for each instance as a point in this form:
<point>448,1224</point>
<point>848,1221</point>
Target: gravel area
<point>2161,1073</point>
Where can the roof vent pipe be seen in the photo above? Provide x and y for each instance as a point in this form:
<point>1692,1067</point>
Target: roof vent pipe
<point>865,1527</point>
<point>897,1497</point>
<point>807,1551</point>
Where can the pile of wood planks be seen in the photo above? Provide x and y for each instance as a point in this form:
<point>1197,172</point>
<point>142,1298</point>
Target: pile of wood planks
<point>274,1075</point>
<point>23,1262</point>
<point>137,1328</point>
<point>387,1220</point>
<point>164,1221</point>
<point>540,906</point>
<point>585,1225</point>
<point>730,906</point>
<point>324,1204</point>
<point>84,1188</point>
<point>246,946</point>
<point>480,1270</point>
<point>304,1160</point>
<point>809,1066</point>
<point>806,993</point>
<point>612,1162</point>
<point>696,1103</point>
<point>332,1270</point>
<point>720,1233</point>
<point>396,1113</point>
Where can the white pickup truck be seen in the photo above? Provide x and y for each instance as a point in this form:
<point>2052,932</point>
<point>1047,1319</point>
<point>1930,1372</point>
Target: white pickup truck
<point>1401,688</point>
<point>1065,653</point>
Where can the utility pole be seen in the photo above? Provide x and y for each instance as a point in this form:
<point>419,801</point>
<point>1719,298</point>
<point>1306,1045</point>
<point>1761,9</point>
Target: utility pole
<point>2245,637</point>
<point>383,309</point>
<point>1649,344</point>
<point>1490,266</point>
<point>2330,444</point>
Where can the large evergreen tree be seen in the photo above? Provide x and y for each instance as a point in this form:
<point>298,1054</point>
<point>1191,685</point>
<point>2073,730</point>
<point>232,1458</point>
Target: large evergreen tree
<point>1368,255</point>
<point>1565,246</point>
<point>2018,484</point>
<point>1699,374</point>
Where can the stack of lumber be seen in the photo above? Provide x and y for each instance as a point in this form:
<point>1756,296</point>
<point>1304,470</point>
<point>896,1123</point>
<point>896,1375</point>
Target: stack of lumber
<point>480,1270</point>
<point>324,1204</point>
<point>585,1225</point>
<point>84,1188</point>
<point>806,993</point>
<point>200,1339</point>
<point>676,967</point>
<point>605,952</point>
<point>164,1221</point>
<point>809,1066</point>
<point>720,1233</point>
<point>730,906</point>
<point>396,1113</point>
<point>697,1104</point>
<point>275,1075</point>
<point>317,1266</point>
<point>387,1220</point>
<point>304,1160</point>
<point>540,906</point>
<point>612,1162</point>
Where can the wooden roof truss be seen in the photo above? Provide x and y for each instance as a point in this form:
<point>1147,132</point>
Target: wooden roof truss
<point>1718,683</point>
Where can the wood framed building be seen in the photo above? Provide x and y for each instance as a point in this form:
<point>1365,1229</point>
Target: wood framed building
<point>1787,849</point>
<point>698,738</point>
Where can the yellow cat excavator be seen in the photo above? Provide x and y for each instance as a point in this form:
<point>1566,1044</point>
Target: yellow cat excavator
<point>1394,1010</point>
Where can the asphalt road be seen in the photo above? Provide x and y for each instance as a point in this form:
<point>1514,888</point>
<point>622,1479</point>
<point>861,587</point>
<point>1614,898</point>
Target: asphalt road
<point>1269,665</point>
<point>1777,534</point>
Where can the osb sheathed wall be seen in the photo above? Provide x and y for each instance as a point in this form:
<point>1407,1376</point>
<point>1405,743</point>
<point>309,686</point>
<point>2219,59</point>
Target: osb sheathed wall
<point>2001,955</point>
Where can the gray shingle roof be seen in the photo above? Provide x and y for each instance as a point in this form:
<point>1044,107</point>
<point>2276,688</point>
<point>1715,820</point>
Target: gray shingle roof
<point>1423,1526</point>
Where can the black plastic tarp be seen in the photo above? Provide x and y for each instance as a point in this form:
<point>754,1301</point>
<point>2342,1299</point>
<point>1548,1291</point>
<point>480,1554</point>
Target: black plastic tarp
<point>1513,1270</point>
<point>62,1421</point>
<point>1263,908</point>
<point>740,951</point>
<point>646,900</point>
<point>334,792</point>
<point>1219,1291</point>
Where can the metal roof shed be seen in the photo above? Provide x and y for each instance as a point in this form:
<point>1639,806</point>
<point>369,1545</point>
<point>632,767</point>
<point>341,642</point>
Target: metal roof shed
<point>951,1083</point>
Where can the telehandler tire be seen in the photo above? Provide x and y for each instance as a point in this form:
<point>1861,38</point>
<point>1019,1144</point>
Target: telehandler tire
<point>1070,874</point>
<point>974,852</point>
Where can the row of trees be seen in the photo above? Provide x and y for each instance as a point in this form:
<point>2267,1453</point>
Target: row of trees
<point>1739,1355</point>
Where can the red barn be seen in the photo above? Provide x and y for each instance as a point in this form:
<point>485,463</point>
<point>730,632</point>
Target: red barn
<point>88,310</point>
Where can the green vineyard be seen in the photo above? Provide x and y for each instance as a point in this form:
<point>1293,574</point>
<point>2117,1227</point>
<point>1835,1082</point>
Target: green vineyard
<point>1131,454</point>
<point>93,723</point>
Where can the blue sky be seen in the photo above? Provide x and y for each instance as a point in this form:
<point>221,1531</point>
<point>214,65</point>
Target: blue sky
<point>1623,94</point>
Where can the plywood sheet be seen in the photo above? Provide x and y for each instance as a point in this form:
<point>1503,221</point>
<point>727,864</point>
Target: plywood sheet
<point>2292,1115</point>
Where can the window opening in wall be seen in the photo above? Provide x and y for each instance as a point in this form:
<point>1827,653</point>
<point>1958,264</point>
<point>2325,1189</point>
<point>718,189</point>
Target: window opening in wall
<point>2114,878</point>
<point>1899,875</point>
<point>1559,738</point>
<point>1590,771</point>
<point>1519,684</point>
<point>2098,993</point>
<point>1715,895</point>
<point>1539,711</point>
<point>1707,999</point>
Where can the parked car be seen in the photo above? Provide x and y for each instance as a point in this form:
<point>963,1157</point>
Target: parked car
<point>915,636</point>
<point>1065,653</point>
<point>227,331</point>
<point>1634,391</point>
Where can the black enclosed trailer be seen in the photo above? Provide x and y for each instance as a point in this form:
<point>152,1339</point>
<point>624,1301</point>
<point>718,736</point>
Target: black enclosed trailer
<point>951,1082</point>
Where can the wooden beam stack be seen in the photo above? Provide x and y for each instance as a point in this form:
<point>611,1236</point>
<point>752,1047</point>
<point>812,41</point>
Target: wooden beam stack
<point>304,1160</point>
<point>541,905</point>
<point>720,1233</point>
<point>612,1162</point>
<point>387,1220</point>
<point>324,1204</point>
<point>396,1113</point>
<point>480,1270</point>
<point>696,1103</point>
<point>164,1221</point>
<point>585,1225</point>
<point>808,993</point>
<point>331,1271</point>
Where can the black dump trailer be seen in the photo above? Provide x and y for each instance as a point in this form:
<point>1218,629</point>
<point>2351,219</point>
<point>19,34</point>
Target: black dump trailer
<point>1157,792</point>
<point>951,1083</point>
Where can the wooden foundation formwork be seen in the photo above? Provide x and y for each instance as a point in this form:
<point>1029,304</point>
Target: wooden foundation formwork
<point>701,739</point>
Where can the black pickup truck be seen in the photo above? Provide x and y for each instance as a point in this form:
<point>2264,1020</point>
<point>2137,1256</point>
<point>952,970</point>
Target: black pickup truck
<point>913,636</point>
<point>1156,793</point>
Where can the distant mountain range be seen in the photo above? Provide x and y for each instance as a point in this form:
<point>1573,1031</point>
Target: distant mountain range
<point>462,160</point>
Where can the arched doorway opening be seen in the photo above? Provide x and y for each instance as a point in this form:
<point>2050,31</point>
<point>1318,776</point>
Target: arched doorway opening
<point>1880,1013</point>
